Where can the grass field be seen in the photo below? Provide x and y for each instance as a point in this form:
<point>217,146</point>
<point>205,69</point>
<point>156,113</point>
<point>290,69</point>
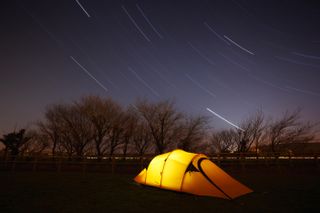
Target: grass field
<point>285,191</point>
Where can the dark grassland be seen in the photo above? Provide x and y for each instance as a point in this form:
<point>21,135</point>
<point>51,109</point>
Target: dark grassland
<point>285,190</point>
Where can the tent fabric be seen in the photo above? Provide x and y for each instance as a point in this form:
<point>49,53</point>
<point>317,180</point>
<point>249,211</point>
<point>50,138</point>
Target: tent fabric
<point>191,173</point>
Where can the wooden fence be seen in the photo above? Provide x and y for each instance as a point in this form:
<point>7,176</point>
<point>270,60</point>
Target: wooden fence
<point>133,164</point>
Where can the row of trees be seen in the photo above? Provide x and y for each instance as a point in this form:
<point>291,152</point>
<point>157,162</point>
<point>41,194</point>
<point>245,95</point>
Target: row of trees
<point>101,127</point>
<point>261,134</point>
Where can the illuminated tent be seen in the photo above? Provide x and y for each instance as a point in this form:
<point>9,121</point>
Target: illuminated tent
<point>191,173</point>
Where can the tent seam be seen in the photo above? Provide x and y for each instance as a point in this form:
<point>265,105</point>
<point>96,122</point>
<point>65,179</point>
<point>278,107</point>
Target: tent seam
<point>186,170</point>
<point>164,164</point>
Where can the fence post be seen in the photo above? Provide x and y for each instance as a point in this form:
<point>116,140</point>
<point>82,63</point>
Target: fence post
<point>266,160</point>
<point>84,166</point>
<point>5,160</point>
<point>59,165</point>
<point>290,161</point>
<point>13,164</point>
<point>278,163</point>
<point>113,164</point>
<point>34,166</point>
<point>242,162</point>
<point>141,162</point>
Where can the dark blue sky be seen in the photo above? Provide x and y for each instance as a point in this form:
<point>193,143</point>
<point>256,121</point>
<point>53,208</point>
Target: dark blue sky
<point>232,56</point>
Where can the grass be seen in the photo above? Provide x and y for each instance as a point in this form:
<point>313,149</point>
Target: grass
<point>289,191</point>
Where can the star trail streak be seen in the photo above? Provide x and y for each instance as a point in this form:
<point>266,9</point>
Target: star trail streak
<point>84,10</point>
<point>297,62</point>
<point>149,22</point>
<point>201,54</point>
<point>304,91</point>
<point>222,118</point>
<point>96,66</point>
<point>237,56</point>
<point>238,45</point>
<point>200,86</point>
<point>89,74</point>
<point>135,24</point>
<point>143,82</point>
<point>234,62</point>
<point>214,32</point>
<point>306,56</point>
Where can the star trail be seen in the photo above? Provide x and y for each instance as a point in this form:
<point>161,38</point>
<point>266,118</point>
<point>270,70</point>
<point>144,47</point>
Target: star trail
<point>234,56</point>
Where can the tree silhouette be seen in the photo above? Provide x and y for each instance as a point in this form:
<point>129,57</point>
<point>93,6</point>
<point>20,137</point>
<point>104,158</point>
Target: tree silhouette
<point>253,127</point>
<point>192,133</point>
<point>163,121</point>
<point>102,114</point>
<point>224,141</point>
<point>289,129</point>
<point>14,141</point>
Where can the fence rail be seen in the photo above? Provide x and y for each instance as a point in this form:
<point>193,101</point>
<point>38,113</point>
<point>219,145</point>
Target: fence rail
<point>134,163</point>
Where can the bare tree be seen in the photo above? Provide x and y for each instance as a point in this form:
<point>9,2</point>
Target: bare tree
<point>116,132</point>
<point>80,128</point>
<point>192,133</point>
<point>130,124</point>
<point>36,145</point>
<point>163,121</point>
<point>253,129</point>
<point>142,138</point>
<point>66,145</point>
<point>102,114</point>
<point>69,126</point>
<point>56,128</point>
<point>289,129</point>
<point>51,126</point>
<point>224,141</point>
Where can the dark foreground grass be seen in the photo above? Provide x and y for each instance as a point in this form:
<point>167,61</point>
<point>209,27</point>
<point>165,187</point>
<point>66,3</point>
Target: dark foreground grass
<point>288,191</point>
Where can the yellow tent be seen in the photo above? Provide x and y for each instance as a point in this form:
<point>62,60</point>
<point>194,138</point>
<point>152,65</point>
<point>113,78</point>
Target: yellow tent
<point>192,173</point>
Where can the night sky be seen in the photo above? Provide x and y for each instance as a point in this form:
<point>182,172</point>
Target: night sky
<point>233,57</point>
